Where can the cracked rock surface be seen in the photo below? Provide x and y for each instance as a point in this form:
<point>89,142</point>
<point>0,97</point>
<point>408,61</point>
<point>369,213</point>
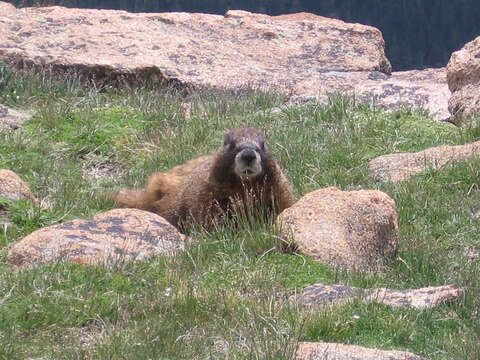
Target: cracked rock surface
<point>401,166</point>
<point>423,298</point>
<point>297,54</point>
<point>113,237</point>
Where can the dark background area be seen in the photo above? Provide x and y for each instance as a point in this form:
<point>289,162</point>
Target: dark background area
<point>417,33</point>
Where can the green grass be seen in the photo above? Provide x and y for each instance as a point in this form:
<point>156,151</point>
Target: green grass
<point>226,296</point>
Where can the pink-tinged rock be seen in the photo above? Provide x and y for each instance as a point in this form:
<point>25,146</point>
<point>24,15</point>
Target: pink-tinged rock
<point>419,89</point>
<point>192,49</point>
<point>354,230</point>
<point>7,8</point>
<point>332,351</point>
<point>463,76</point>
<point>296,54</point>
<point>113,237</point>
<point>402,166</point>
<point>11,119</point>
<point>424,298</point>
<point>14,188</point>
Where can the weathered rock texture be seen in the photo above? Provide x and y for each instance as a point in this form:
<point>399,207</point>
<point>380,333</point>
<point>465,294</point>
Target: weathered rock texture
<point>297,54</point>
<point>13,187</point>
<point>11,119</point>
<point>402,166</point>
<point>463,76</point>
<point>424,298</point>
<point>354,230</point>
<point>113,237</point>
<point>330,351</point>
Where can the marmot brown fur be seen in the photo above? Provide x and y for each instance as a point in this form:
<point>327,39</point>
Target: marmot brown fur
<point>242,175</point>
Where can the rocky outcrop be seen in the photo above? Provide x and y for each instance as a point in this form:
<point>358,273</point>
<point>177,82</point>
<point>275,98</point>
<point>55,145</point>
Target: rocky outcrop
<point>113,237</point>
<point>14,188</point>
<point>296,54</point>
<point>463,76</point>
<point>196,49</point>
<point>331,351</point>
<point>11,119</point>
<point>424,298</point>
<point>354,230</point>
<point>401,166</point>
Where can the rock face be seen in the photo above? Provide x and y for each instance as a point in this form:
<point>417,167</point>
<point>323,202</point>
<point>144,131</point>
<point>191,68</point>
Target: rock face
<point>11,119</point>
<point>353,230</point>
<point>330,351</point>
<point>401,166</point>
<point>13,187</point>
<point>463,76</point>
<point>424,298</point>
<point>198,49</point>
<point>426,89</point>
<point>296,54</point>
<point>113,237</point>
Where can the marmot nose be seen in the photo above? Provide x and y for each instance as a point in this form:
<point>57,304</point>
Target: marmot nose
<point>248,155</point>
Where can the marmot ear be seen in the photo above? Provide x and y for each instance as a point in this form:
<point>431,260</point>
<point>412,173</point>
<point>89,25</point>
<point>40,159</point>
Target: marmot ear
<point>226,139</point>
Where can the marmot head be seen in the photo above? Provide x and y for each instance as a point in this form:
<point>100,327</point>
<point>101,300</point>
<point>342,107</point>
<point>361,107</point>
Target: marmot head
<point>243,155</point>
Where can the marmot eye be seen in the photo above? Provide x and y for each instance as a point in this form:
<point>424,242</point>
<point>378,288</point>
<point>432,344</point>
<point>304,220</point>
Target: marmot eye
<point>262,145</point>
<point>229,145</point>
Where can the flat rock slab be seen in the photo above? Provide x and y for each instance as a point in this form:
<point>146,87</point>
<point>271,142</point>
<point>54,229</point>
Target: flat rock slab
<point>296,54</point>
<point>402,166</point>
<point>11,119</point>
<point>419,89</point>
<point>350,230</point>
<point>424,298</point>
<point>332,351</point>
<point>113,237</point>
<point>14,188</point>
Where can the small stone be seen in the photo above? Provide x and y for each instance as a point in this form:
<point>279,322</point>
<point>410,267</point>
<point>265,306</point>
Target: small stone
<point>11,119</point>
<point>320,294</point>
<point>14,188</point>
<point>332,351</point>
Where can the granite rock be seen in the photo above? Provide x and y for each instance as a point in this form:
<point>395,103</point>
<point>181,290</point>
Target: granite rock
<point>463,76</point>
<point>353,230</point>
<point>423,298</point>
<point>113,237</point>
<point>297,54</point>
<point>332,351</point>
<point>402,166</point>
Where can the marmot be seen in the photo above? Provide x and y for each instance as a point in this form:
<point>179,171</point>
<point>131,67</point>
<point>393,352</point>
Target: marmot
<point>242,175</point>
